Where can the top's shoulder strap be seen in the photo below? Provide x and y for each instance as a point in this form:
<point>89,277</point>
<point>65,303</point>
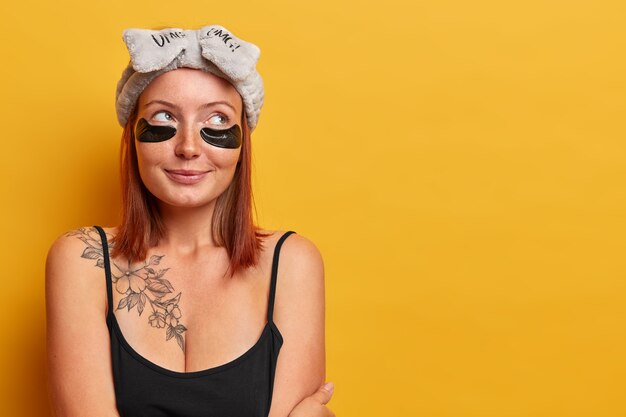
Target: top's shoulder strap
<point>270,308</point>
<point>107,268</point>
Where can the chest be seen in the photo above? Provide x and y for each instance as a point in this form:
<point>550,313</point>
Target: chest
<point>187,316</point>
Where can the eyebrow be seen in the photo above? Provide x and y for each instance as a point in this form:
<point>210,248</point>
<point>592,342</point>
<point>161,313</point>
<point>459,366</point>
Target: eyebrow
<point>174,106</point>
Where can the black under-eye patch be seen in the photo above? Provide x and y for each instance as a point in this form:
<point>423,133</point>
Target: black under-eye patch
<point>222,138</point>
<point>145,132</point>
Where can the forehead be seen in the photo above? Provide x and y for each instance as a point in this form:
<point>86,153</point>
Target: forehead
<point>188,87</point>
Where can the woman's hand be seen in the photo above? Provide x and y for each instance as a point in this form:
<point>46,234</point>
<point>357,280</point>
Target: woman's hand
<point>315,405</point>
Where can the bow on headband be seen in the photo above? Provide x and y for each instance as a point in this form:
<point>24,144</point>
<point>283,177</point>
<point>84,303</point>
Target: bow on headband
<point>152,50</point>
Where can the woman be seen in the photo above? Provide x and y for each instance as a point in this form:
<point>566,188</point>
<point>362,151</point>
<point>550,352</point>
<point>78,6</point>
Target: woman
<point>184,308</point>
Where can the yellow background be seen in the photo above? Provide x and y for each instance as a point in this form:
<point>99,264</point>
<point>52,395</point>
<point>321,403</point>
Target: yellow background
<point>460,164</point>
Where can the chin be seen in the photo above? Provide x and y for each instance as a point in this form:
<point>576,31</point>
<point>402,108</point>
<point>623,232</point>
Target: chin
<point>185,202</point>
<point>184,196</point>
<point>189,200</point>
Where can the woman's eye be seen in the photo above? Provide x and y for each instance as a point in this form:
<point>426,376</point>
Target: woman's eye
<point>162,117</point>
<point>218,119</point>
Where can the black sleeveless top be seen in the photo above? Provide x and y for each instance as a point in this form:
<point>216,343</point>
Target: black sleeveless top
<point>240,388</point>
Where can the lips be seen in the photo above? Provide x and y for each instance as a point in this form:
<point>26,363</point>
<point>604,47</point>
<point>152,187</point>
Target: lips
<point>185,172</point>
<point>184,176</point>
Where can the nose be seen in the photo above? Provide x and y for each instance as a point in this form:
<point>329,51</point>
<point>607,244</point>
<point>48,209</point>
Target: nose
<point>188,142</point>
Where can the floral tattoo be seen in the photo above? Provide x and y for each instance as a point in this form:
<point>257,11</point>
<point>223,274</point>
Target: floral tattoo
<point>141,285</point>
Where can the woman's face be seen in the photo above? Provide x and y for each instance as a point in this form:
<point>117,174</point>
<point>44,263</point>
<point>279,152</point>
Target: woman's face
<point>186,169</point>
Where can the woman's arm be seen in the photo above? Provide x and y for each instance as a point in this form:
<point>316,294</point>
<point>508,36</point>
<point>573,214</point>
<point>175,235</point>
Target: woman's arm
<point>79,360</point>
<point>315,405</point>
<point>299,315</point>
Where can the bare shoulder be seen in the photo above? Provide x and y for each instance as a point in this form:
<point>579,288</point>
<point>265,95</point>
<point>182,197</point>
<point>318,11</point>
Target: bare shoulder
<point>298,254</point>
<point>72,248</point>
<point>300,276</point>
<point>75,264</point>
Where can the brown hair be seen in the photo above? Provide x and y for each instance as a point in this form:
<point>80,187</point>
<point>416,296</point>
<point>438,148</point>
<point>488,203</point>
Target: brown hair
<point>232,224</point>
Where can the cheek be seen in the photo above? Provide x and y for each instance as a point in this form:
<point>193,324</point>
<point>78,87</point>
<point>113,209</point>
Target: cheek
<point>225,158</point>
<point>151,152</point>
<point>150,156</point>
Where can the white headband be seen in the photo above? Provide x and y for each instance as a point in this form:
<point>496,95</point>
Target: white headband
<point>210,48</point>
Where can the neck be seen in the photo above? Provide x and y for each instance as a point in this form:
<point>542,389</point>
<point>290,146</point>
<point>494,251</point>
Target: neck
<point>188,229</point>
